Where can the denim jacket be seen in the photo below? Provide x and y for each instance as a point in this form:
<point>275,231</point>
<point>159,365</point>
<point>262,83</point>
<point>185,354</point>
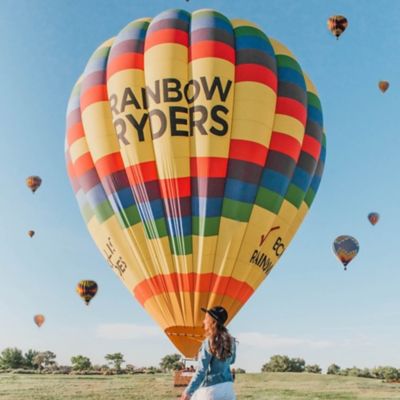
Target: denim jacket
<point>211,370</point>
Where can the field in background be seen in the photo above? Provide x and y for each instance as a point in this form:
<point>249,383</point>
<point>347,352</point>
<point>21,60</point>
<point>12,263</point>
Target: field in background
<point>268,386</point>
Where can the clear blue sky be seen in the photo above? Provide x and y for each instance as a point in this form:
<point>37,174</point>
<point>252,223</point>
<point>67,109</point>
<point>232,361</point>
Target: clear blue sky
<point>308,306</point>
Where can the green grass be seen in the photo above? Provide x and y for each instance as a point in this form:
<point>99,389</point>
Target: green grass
<point>269,386</point>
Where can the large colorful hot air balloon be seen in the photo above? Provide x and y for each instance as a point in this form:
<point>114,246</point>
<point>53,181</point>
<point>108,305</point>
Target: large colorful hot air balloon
<point>33,182</point>
<point>86,290</point>
<point>373,217</point>
<point>383,86</point>
<point>346,248</point>
<point>195,148</point>
<point>337,24</point>
<point>39,319</point>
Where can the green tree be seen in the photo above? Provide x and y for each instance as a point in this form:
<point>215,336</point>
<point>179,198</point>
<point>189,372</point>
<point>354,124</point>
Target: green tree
<point>80,363</point>
<point>277,363</point>
<point>170,362</point>
<point>296,365</point>
<point>313,369</point>
<point>117,359</point>
<point>333,369</point>
<point>11,358</point>
<point>29,357</point>
<point>44,359</point>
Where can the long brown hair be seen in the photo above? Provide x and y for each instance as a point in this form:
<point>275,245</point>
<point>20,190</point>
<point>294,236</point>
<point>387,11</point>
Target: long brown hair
<point>220,341</point>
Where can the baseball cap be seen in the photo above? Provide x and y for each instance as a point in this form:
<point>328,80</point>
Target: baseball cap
<point>218,313</point>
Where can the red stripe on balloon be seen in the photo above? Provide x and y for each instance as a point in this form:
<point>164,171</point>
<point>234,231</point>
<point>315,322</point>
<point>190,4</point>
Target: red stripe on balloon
<point>93,95</point>
<point>109,164</point>
<point>222,285</point>
<point>291,107</point>
<point>74,133</point>
<point>256,73</point>
<point>311,146</point>
<point>246,150</point>
<point>285,144</point>
<point>210,48</point>
<point>143,172</point>
<point>174,36</point>
<point>83,164</point>
<point>175,188</point>
<point>210,167</point>
<point>125,61</point>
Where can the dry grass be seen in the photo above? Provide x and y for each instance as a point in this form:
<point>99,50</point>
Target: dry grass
<point>159,387</point>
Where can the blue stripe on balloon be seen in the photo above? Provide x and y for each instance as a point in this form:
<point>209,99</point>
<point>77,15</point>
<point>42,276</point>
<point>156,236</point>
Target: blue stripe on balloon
<point>274,181</point>
<point>180,226</point>
<point>254,42</point>
<point>206,206</point>
<point>301,179</point>
<point>291,75</point>
<point>240,191</point>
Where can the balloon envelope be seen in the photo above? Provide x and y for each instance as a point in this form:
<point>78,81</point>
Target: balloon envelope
<point>373,217</point>
<point>33,182</point>
<point>337,24</point>
<point>87,290</point>
<point>346,248</point>
<point>39,319</point>
<point>195,148</point>
<point>383,86</point>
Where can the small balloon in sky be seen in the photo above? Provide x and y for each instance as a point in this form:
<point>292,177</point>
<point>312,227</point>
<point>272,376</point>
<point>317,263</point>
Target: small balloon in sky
<point>383,86</point>
<point>337,24</point>
<point>31,233</point>
<point>33,182</point>
<point>346,248</point>
<point>87,290</point>
<point>39,319</point>
<point>373,217</point>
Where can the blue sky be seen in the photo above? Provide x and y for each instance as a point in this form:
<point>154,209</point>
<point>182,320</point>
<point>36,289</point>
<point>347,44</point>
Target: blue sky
<point>308,306</point>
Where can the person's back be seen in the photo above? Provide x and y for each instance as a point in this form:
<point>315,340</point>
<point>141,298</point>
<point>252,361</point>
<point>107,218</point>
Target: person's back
<point>213,379</point>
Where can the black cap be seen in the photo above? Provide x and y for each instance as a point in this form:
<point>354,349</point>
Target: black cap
<point>218,313</point>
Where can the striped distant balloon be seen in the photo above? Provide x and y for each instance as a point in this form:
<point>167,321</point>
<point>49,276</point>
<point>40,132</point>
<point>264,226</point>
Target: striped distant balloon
<point>86,290</point>
<point>373,217</point>
<point>31,233</point>
<point>346,248</point>
<point>195,148</point>
<point>337,24</point>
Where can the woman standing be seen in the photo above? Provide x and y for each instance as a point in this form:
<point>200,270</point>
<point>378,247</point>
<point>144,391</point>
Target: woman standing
<point>213,379</point>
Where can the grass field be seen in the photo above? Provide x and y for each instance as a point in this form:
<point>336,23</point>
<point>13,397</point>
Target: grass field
<point>269,386</point>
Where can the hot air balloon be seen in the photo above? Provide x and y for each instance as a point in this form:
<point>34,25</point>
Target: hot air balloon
<point>195,147</point>
<point>346,248</point>
<point>337,24</point>
<point>31,233</point>
<point>39,319</point>
<point>383,86</point>
<point>373,217</point>
<point>86,290</point>
<point>33,183</point>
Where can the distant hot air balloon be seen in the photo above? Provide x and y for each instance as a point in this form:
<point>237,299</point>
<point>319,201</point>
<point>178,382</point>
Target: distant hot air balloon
<point>87,290</point>
<point>195,148</point>
<point>39,319</point>
<point>383,86</point>
<point>33,182</point>
<point>31,233</point>
<point>337,24</point>
<point>373,217</point>
<point>346,248</point>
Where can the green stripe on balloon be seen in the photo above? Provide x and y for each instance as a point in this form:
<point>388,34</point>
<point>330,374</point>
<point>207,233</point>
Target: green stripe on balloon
<point>129,217</point>
<point>285,61</point>
<point>180,245</point>
<point>208,226</point>
<point>236,210</point>
<point>269,200</point>
<point>155,229</point>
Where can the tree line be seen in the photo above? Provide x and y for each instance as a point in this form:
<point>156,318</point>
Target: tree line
<point>282,363</point>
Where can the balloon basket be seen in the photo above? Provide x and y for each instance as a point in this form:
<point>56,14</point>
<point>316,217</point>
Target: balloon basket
<point>183,376</point>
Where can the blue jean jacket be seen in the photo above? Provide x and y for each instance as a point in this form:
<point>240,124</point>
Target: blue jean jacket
<point>211,370</point>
